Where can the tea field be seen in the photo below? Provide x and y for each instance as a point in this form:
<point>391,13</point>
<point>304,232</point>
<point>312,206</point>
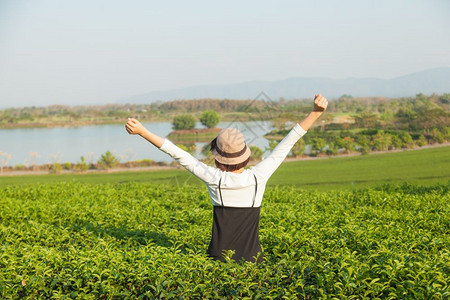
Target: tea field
<point>135,240</point>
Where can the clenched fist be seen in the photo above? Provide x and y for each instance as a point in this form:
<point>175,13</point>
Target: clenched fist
<point>133,126</point>
<point>320,103</point>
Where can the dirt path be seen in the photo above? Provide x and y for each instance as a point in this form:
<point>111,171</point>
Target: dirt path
<point>115,170</point>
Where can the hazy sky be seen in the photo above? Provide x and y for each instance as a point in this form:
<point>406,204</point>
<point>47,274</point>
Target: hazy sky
<point>97,51</point>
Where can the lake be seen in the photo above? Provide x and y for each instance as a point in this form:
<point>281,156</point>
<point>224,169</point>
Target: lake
<point>70,143</point>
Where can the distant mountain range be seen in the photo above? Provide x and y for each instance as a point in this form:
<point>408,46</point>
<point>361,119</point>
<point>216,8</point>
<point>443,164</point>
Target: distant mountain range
<point>426,82</point>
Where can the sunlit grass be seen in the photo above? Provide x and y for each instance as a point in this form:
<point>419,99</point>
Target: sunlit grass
<point>426,166</point>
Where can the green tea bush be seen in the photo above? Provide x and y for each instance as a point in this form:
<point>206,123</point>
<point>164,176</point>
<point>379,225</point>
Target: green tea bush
<point>146,241</point>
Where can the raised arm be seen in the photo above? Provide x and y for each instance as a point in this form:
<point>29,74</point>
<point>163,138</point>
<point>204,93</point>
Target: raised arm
<point>320,104</point>
<point>266,167</point>
<point>190,163</point>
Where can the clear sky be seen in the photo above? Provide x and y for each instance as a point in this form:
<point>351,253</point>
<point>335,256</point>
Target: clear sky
<point>85,51</point>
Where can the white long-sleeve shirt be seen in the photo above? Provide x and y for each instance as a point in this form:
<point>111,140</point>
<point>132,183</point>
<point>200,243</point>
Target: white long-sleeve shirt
<point>238,189</point>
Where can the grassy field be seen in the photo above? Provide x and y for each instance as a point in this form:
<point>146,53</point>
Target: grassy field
<point>144,235</point>
<point>426,166</point>
<point>147,241</point>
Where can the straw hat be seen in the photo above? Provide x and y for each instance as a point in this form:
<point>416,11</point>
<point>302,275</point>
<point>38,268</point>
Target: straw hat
<point>230,147</point>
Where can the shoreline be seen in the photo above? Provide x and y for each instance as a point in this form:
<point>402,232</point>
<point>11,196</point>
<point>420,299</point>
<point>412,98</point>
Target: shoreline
<point>178,167</point>
<point>74,124</point>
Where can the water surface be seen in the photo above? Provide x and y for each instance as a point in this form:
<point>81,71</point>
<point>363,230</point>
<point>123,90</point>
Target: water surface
<point>70,143</point>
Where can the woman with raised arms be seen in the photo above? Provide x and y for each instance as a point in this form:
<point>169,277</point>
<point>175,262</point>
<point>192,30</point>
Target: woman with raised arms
<point>236,192</point>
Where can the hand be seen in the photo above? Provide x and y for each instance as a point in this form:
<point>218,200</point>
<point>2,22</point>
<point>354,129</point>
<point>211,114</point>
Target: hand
<point>134,126</point>
<point>320,103</point>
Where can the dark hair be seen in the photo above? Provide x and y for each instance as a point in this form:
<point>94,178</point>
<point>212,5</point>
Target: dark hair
<point>224,167</point>
<point>213,144</point>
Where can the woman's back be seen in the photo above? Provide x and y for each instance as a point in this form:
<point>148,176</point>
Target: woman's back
<point>237,188</point>
<point>236,196</point>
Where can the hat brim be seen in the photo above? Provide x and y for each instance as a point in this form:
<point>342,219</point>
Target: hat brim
<point>232,160</point>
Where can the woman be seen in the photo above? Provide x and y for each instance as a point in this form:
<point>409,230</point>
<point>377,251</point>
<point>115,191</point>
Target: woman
<point>236,193</point>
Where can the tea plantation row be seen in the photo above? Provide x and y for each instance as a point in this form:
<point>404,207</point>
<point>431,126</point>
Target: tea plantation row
<point>136,240</point>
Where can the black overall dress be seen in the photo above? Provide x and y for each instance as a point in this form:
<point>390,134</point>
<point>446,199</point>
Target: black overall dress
<point>236,228</point>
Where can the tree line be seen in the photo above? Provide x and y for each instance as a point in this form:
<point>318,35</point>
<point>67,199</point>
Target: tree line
<point>385,108</point>
<point>350,124</point>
